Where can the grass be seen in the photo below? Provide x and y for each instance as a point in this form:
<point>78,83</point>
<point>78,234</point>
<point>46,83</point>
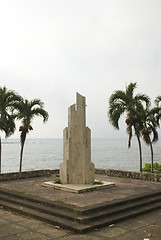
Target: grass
<point>57,181</point>
<point>96,182</point>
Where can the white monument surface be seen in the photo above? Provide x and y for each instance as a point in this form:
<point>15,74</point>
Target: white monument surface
<point>77,167</point>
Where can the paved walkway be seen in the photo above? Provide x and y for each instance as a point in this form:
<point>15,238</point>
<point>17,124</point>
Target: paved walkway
<point>15,227</point>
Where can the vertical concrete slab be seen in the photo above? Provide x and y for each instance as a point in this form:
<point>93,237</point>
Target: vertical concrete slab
<point>77,167</point>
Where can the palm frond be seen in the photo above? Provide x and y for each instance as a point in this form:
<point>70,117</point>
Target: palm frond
<point>157,101</point>
<point>130,89</point>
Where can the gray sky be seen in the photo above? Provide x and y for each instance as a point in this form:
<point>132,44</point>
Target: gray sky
<point>51,49</point>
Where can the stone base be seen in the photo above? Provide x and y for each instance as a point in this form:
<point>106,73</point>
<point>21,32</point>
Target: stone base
<point>78,188</point>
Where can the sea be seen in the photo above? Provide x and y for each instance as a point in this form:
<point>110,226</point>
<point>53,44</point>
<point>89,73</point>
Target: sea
<point>48,154</point>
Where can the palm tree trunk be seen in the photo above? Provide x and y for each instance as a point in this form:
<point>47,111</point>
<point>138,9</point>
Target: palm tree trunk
<point>140,152</point>
<point>151,149</point>
<point>23,137</point>
<point>0,153</point>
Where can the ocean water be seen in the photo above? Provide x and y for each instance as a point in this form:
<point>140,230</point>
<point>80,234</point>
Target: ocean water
<point>48,154</point>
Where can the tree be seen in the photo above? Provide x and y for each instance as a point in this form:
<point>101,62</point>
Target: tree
<point>150,128</point>
<point>8,99</point>
<point>158,110</point>
<point>27,110</point>
<point>121,102</point>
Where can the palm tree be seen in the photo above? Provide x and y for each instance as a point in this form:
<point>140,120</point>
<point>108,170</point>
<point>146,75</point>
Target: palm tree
<point>8,99</point>
<point>150,127</point>
<point>121,102</point>
<point>158,109</point>
<point>27,110</point>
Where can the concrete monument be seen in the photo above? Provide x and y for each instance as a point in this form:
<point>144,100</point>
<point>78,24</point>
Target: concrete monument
<point>77,167</point>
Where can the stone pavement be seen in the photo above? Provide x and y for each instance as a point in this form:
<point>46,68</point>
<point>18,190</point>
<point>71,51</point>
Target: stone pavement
<point>15,227</point>
<point>123,188</point>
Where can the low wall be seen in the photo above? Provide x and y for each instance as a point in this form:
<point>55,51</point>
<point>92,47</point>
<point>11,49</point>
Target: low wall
<point>109,172</point>
<point>129,174</point>
<point>27,174</point>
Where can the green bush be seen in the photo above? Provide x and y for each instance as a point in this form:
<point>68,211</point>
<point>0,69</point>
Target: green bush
<point>97,182</point>
<point>57,181</point>
<point>156,168</point>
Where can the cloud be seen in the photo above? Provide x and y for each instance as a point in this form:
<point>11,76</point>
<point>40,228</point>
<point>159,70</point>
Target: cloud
<point>53,49</point>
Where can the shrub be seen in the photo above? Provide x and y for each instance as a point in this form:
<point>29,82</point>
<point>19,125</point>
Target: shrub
<point>57,181</point>
<point>156,168</point>
<point>96,182</point>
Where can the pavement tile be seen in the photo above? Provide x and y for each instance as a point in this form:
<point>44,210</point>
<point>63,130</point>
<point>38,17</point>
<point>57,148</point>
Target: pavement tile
<point>31,224</point>
<point>27,236</point>
<point>14,218</point>
<point>3,221</point>
<point>82,237</point>
<point>133,225</point>
<point>110,232</point>
<point>50,231</point>
<point>11,229</point>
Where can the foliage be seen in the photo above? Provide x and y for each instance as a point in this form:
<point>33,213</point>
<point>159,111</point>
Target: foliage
<point>97,182</point>
<point>121,102</point>
<point>57,180</point>
<point>8,99</point>
<point>149,131</point>
<point>26,111</point>
<point>156,166</point>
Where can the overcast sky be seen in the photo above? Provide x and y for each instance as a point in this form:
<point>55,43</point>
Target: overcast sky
<point>51,49</point>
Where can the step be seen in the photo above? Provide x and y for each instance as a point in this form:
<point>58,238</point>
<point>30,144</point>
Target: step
<point>39,200</point>
<point>54,220</point>
<point>75,216</point>
<point>118,202</point>
<point>120,208</point>
<point>38,206</point>
<point>79,219</point>
<point>122,216</point>
<point>78,227</point>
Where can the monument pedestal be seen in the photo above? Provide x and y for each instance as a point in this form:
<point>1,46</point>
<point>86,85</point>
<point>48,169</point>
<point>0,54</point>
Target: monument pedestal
<point>78,188</point>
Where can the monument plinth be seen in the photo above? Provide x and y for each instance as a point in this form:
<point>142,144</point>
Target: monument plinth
<point>77,167</point>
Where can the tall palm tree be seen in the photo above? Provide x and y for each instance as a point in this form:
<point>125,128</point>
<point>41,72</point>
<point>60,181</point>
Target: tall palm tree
<point>121,102</point>
<point>150,128</point>
<point>27,110</point>
<point>8,99</point>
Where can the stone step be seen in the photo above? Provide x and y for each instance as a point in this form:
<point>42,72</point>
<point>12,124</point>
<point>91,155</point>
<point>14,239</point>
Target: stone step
<point>39,207</point>
<point>79,219</point>
<point>75,226</point>
<point>103,222</point>
<point>44,217</point>
<point>114,203</point>
<point>119,209</point>
<point>34,199</point>
<point>75,216</point>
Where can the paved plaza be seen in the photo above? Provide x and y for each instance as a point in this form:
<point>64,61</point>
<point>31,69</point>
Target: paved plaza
<point>145,227</point>
<point>15,227</point>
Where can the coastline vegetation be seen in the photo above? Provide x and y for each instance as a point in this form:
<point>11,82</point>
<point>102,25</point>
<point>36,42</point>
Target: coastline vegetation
<point>141,119</point>
<point>156,168</point>
<point>12,107</point>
